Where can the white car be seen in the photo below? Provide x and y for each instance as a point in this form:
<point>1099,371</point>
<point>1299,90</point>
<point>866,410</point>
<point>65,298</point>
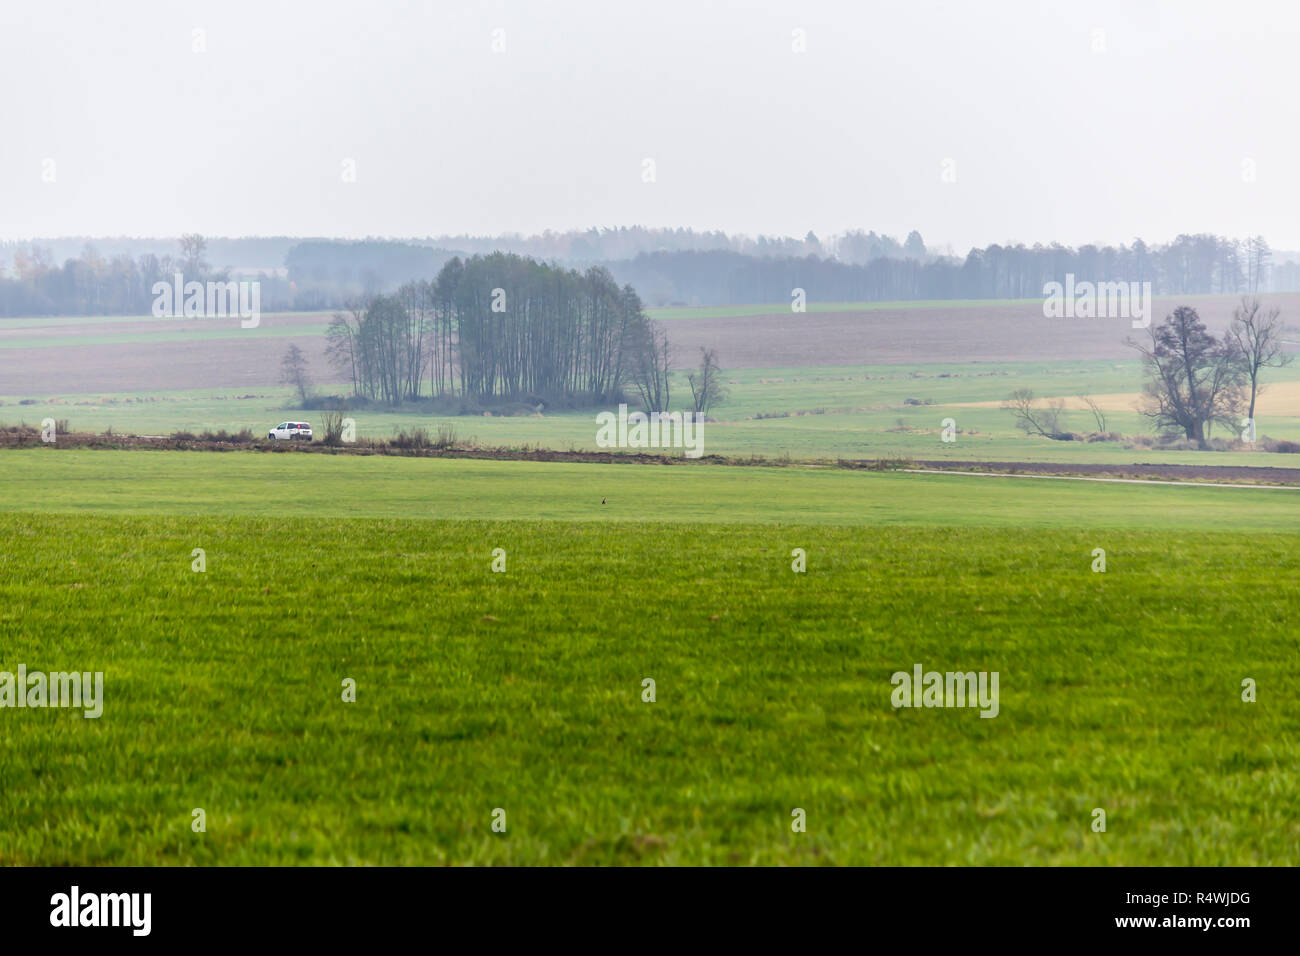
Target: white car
<point>290,430</point>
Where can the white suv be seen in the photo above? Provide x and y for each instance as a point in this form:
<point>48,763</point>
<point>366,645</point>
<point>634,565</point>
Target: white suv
<point>290,430</point>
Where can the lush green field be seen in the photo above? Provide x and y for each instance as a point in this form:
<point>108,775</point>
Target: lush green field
<point>266,484</point>
<point>820,413</point>
<point>523,690</point>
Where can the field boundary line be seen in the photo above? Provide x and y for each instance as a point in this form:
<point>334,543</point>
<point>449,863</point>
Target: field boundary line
<point>1121,481</point>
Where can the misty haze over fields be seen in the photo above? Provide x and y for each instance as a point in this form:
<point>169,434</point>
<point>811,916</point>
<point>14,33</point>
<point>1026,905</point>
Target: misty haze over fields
<point>970,123</point>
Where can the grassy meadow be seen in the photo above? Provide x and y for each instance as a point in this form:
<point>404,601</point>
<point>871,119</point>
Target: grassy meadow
<point>853,410</point>
<point>523,690</point>
<point>253,484</point>
<point>804,413</point>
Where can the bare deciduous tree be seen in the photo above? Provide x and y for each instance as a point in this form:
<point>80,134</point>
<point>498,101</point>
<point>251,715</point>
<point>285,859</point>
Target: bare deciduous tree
<point>343,335</point>
<point>1032,419</point>
<point>293,371</point>
<point>1258,255</point>
<point>193,246</point>
<point>1257,336</point>
<point>706,382</point>
<point>652,364</point>
<point>1194,380</point>
<point>1097,414</point>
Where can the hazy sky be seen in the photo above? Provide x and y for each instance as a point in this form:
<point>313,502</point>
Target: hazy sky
<point>1158,134</point>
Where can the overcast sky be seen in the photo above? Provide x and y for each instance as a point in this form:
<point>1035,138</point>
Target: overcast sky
<point>1184,123</point>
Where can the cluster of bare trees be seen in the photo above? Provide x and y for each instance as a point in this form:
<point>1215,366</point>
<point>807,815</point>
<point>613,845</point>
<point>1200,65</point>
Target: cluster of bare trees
<point>381,345</point>
<point>506,327</point>
<point>1194,380</point>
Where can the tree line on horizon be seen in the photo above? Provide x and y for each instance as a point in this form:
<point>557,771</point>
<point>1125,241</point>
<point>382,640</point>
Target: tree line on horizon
<point>1191,264</point>
<point>859,267</point>
<point>92,284</point>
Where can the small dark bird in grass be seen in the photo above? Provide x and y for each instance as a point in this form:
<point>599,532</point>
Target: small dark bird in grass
<point>602,501</point>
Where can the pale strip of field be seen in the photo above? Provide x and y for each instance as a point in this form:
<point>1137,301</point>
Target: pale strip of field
<point>1278,398</point>
<point>1114,481</point>
<point>1111,402</point>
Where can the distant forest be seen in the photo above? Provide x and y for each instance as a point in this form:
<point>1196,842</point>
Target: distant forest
<point>666,267</point>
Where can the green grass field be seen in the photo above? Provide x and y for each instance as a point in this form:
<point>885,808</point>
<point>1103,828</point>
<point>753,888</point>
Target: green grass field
<point>820,413</point>
<point>523,690</point>
<point>253,484</point>
<point>805,413</point>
